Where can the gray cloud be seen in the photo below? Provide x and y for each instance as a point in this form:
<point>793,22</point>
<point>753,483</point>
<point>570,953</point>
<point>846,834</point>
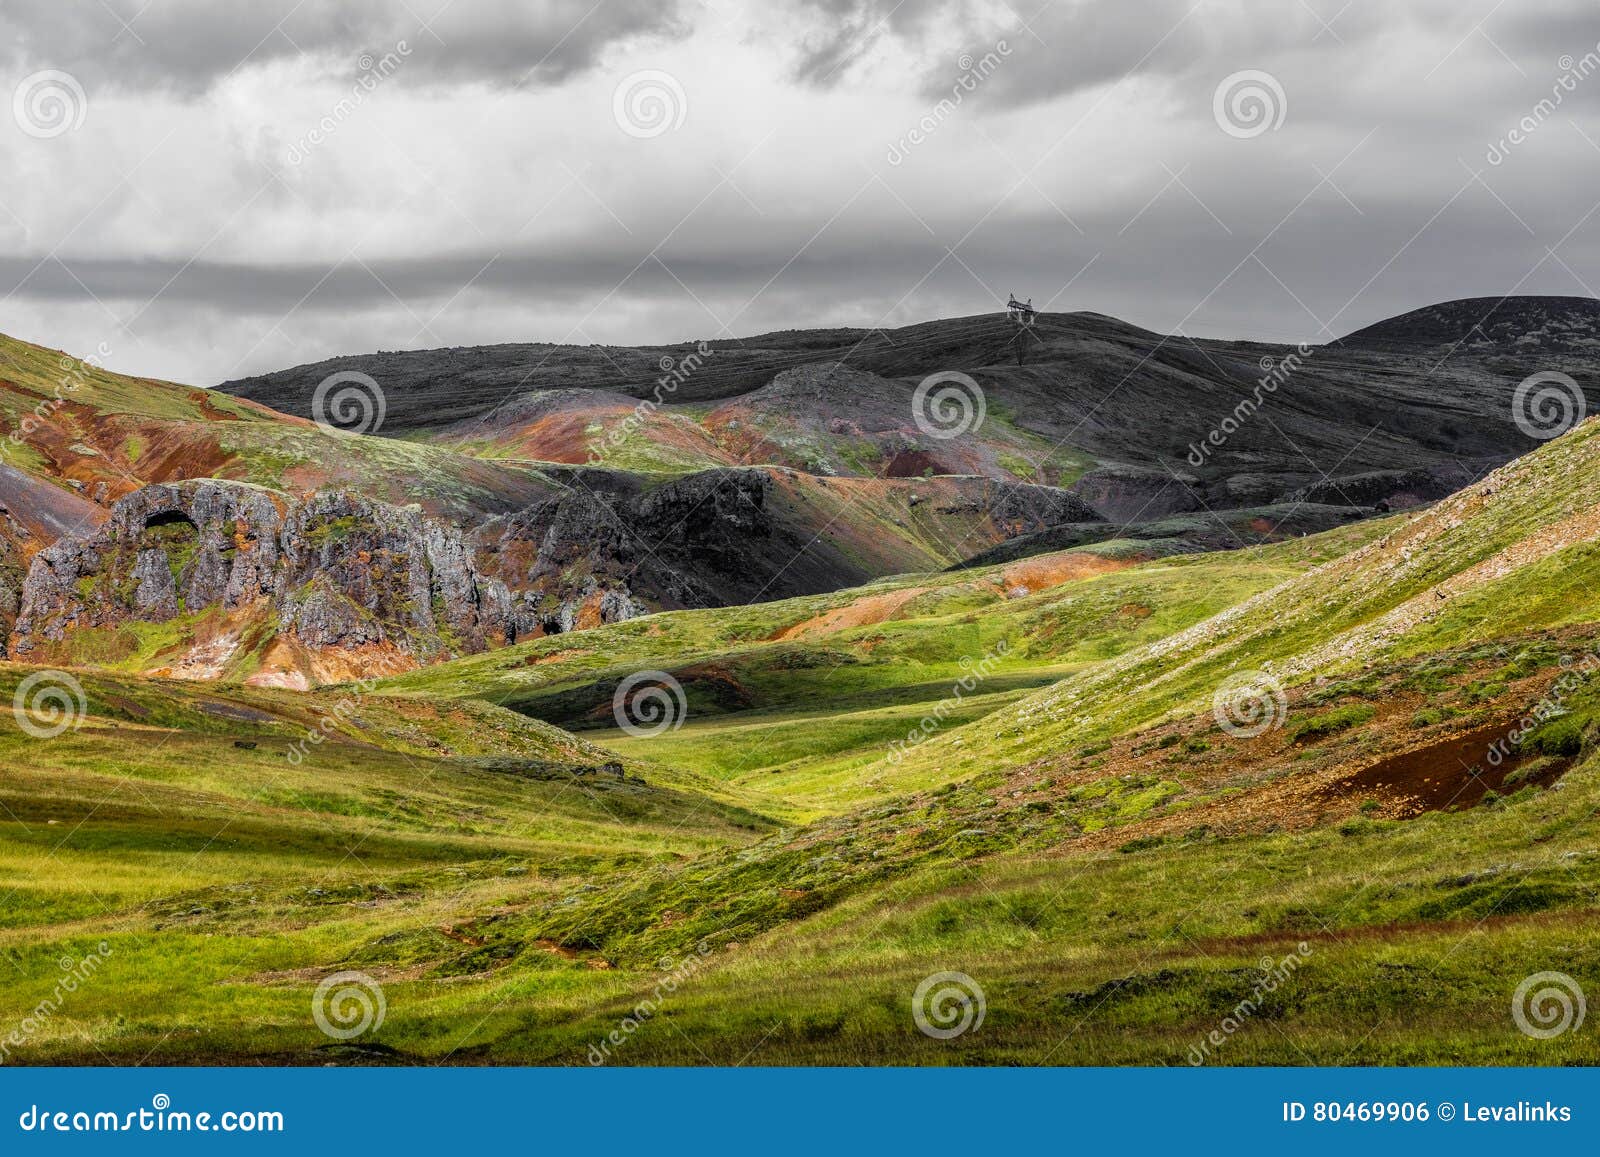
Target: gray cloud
<point>1053,50</point>
<point>185,46</point>
<point>845,31</point>
<point>1317,269</point>
<point>1070,46</point>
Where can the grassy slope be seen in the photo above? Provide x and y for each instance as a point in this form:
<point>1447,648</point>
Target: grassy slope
<point>87,425</point>
<point>1471,568</point>
<point>1089,855</point>
<point>801,716</point>
<point>1166,939</point>
<point>1416,933</point>
<point>686,437</point>
<point>204,863</point>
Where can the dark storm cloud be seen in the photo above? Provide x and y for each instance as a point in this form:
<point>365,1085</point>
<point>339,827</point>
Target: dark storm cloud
<point>1314,281</point>
<point>1076,46</point>
<point>1086,171</point>
<point>846,31</point>
<point>1063,47</point>
<point>185,46</point>
<point>583,275</point>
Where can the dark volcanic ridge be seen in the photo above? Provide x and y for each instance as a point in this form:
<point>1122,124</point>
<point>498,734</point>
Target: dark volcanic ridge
<point>1505,325</point>
<point>1126,417</point>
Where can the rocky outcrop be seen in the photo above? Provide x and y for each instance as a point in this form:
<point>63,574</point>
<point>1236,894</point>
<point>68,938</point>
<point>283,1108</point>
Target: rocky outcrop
<point>339,571</point>
<point>358,572</point>
<point>609,545</point>
<point>1129,493</point>
<point>33,514</point>
<point>1023,509</point>
<point>259,584</point>
<point>164,549</point>
<point>11,575</point>
<point>738,535</point>
<point>1390,489</point>
<point>333,571</point>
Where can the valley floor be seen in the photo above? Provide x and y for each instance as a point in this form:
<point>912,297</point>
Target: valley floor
<point>1370,942</point>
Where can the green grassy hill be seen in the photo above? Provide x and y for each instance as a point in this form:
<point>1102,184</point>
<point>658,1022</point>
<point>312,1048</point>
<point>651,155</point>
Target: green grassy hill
<point>1407,835</point>
<point>802,697</point>
<point>103,434</point>
<point>1510,555</point>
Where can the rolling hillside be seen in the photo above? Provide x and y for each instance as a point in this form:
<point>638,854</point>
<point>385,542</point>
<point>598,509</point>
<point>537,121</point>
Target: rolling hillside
<point>1106,407</point>
<point>500,551</point>
<point>904,726</point>
<point>1476,325</point>
<point>1103,858</point>
<point>103,435</point>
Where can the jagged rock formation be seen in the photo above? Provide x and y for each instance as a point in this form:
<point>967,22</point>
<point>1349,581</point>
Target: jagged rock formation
<point>1131,493</point>
<point>11,575</point>
<point>210,578</point>
<point>727,536</point>
<point>1391,489</point>
<point>603,545</point>
<point>335,572</point>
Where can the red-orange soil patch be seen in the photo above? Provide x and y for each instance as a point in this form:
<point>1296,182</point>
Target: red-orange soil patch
<point>1044,571</point>
<point>862,612</point>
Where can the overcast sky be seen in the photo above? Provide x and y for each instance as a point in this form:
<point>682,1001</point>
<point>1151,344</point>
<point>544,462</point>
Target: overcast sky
<point>202,189</point>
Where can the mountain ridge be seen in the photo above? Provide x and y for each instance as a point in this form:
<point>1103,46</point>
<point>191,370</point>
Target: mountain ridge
<point>1129,412</point>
